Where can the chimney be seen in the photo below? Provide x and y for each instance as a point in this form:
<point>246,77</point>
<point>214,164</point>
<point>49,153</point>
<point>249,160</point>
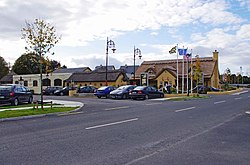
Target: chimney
<point>215,82</point>
<point>215,55</point>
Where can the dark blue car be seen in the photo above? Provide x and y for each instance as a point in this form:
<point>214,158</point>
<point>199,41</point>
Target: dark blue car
<point>15,94</point>
<point>104,91</point>
<point>122,92</point>
<point>145,92</point>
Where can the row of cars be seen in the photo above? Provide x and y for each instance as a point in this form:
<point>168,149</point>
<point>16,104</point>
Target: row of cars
<point>65,91</point>
<point>129,91</point>
<point>122,92</point>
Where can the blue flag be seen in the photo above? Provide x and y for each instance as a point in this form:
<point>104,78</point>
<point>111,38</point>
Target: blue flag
<point>182,51</point>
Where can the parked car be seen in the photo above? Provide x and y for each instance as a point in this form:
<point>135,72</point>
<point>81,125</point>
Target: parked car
<point>214,89</point>
<point>104,91</point>
<point>145,92</point>
<point>122,92</point>
<point>87,89</point>
<point>64,91</point>
<point>15,94</point>
<point>50,90</point>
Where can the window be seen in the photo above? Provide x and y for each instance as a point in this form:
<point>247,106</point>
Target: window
<point>57,82</point>
<point>25,83</point>
<point>35,83</point>
<point>46,82</point>
<point>151,71</point>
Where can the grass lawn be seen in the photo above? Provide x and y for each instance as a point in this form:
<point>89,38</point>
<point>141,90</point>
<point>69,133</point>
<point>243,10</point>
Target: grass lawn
<point>29,112</point>
<point>21,106</point>
<point>188,98</point>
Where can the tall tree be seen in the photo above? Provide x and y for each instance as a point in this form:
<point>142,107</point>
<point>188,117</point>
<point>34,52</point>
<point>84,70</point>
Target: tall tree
<point>27,64</point>
<point>197,70</point>
<point>4,69</point>
<point>227,75</point>
<point>40,37</point>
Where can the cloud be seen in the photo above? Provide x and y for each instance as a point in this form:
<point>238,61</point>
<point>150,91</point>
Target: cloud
<point>83,22</point>
<point>244,32</point>
<point>154,33</point>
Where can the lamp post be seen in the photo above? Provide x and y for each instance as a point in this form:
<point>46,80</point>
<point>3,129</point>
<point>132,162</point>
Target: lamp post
<point>110,44</point>
<point>21,80</point>
<point>47,79</point>
<point>137,52</point>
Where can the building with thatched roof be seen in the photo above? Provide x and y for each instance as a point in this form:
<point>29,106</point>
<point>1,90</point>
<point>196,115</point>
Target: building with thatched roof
<point>7,79</point>
<point>98,79</point>
<point>163,72</point>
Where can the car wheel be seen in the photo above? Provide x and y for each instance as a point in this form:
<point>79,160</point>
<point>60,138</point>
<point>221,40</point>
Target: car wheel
<point>162,95</point>
<point>30,100</point>
<point>108,96</point>
<point>146,97</point>
<point>124,96</point>
<point>51,93</point>
<point>98,97</point>
<point>15,102</point>
<point>61,94</point>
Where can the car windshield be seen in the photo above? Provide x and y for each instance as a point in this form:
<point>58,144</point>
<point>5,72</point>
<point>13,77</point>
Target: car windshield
<point>122,88</point>
<point>139,88</point>
<point>102,88</point>
<point>5,88</point>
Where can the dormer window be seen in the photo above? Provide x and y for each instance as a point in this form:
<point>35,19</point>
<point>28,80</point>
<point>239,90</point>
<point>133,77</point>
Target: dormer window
<point>150,71</point>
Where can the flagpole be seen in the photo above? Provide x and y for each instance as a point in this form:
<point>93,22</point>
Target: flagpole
<point>182,85</point>
<point>187,60</point>
<point>191,71</point>
<point>177,75</point>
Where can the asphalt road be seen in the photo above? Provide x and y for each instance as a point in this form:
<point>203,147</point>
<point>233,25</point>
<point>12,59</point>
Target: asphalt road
<point>200,131</point>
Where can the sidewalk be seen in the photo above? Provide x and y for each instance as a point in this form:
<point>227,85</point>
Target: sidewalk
<point>61,102</point>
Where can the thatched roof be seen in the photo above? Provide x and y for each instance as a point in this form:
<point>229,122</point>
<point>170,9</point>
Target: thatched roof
<point>97,76</point>
<point>71,70</point>
<point>156,67</point>
<point>8,78</point>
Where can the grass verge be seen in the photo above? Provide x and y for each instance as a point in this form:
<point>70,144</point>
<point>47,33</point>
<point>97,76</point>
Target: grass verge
<point>29,112</point>
<point>184,98</point>
<point>22,105</point>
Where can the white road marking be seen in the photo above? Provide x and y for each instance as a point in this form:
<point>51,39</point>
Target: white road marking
<point>153,103</point>
<point>165,148</point>
<point>238,93</point>
<point>109,124</point>
<point>247,112</point>
<point>116,108</point>
<point>248,96</point>
<point>238,98</point>
<point>218,102</point>
<point>185,109</point>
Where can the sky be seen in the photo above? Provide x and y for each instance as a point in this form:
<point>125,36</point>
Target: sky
<point>153,26</point>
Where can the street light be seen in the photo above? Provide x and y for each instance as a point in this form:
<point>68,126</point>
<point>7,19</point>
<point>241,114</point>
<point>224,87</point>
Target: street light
<point>110,44</point>
<point>47,79</point>
<point>137,52</point>
<point>21,80</point>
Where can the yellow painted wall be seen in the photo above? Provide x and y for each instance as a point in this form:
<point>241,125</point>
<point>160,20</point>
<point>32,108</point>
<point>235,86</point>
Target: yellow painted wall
<point>118,82</point>
<point>165,76</point>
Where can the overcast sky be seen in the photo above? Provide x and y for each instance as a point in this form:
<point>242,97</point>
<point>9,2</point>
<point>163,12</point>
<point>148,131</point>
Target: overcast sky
<point>153,26</point>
